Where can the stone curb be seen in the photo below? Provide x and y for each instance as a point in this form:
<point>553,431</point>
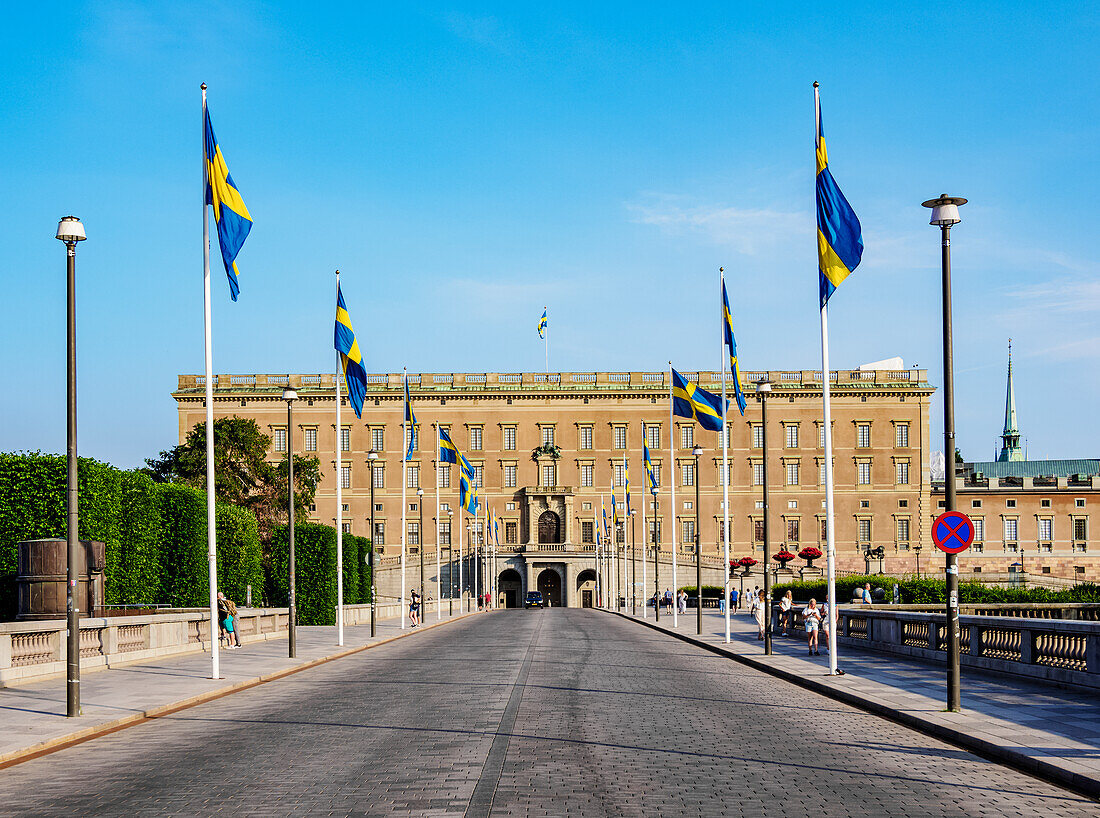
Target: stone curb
<point>113,726</point>
<point>1050,772</point>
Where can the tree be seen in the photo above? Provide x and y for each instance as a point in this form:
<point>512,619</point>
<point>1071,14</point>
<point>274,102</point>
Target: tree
<point>243,476</point>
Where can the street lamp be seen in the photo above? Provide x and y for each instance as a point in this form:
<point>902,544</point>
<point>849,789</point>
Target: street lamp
<point>420,546</point>
<point>763,389</point>
<point>289,395</point>
<point>372,455</point>
<point>698,450</point>
<point>945,212</point>
<point>70,231</point>
<point>633,564</point>
<point>917,550</point>
<point>656,581</point>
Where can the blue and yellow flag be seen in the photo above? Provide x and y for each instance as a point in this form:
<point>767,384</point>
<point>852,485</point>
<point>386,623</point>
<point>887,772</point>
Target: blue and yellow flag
<point>448,451</point>
<point>692,401</point>
<point>496,531</point>
<point>731,345</point>
<point>542,324</point>
<point>614,509</point>
<point>410,420</point>
<point>467,494</point>
<point>230,214</point>
<point>839,236</point>
<point>626,480</point>
<point>355,376</point>
<point>603,510</point>
<point>648,465</point>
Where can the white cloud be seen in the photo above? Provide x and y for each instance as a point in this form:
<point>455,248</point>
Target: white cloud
<point>1059,296</point>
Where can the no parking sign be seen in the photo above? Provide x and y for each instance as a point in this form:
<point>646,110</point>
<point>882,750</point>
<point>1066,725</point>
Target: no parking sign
<point>952,532</point>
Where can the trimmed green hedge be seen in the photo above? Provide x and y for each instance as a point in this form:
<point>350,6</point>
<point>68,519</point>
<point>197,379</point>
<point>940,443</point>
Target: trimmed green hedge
<point>923,591</point>
<point>353,545</point>
<point>184,580</point>
<point>240,560</point>
<point>141,531</point>
<point>315,564</point>
<point>709,591</point>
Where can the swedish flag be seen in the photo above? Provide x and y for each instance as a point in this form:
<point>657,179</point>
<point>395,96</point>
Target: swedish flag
<point>839,236</point>
<point>614,511</point>
<point>352,360</point>
<point>230,214</point>
<point>467,494</point>
<point>692,401</point>
<point>542,324</point>
<point>410,420</point>
<point>648,465</point>
<point>731,345</point>
<point>626,480</point>
<point>448,452</point>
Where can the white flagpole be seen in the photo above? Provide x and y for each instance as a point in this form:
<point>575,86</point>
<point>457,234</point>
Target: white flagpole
<point>596,555</point>
<point>830,547</point>
<point>461,555</point>
<point>645,529</point>
<point>725,467</point>
<point>626,519</point>
<point>438,525</point>
<point>211,523</point>
<point>546,341</point>
<point>672,489</point>
<point>339,507</point>
<point>404,504</point>
<point>601,589</point>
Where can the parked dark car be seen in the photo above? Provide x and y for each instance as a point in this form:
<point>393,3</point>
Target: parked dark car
<point>533,600</point>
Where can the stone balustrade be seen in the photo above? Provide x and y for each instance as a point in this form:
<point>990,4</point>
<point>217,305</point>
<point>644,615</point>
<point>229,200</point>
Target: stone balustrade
<point>1061,651</point>
<point>30,650</point>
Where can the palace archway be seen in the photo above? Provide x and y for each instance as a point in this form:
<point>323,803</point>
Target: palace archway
<point>510,588</point>
<point>586,588</point>
<point>549,527</point>
<point>549,583</point>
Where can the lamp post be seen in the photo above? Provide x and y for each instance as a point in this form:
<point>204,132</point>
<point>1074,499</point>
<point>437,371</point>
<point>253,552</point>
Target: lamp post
<point>656,581</point>
<point>420,547</point>
<point>917,550</point>
<point>698,450</point>
<point>70,231</point>
<point>633,564</point>
<point>290,395</point>
<point>945,212</point>
<point>763,389</point>
<point>372,455</point>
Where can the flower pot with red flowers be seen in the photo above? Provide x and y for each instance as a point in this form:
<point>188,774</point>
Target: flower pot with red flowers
<point>809,553</point>
<point>746,563</point>
<point>783,557</point>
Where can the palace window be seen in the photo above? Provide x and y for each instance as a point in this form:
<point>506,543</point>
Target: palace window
<point>758,436</point>
<point>411,432</point>
<point>901,436</point>
<point>863,475</point>
<point>345,477</point>
<point>864,530</point>
<point>379,533</point>
<point>443,479</point>
<point>547,435</point>
<point>901,473</point>
<point>475,438</point>
<point>586,531</point>
<point>510,533</point>
<point>549,474</point>
<point>688,529</point>
<point>479,476</point>
<point>758,474</point>
<point>620,437</point>
<point>413,476</point>
<point>653,436</point>
<point>378,438</point>
<point>863,436</point>
<point>654,526</point>
<point>311,440</point>
<point>790,431</point>
<point>687,436</point>
<point>1046,528</point>
<point>414,533</point>
<point>821,435</point>
<point>758,530</point>
<point>379,476</point>
<point>903,529</point>
<point>1080,528</point>
<point>792,474</point>
<point>620,475</point>
<point>510,475</point>
<point>792,530</point>
<point>445,532</point>
<point>509,438</point>
<point>586,474</point>
<point>687,474</point>
<point>979,529</point>
<point>586,437</point>
<point>1011,529</point>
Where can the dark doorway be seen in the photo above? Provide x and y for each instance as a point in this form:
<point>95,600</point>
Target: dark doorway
<point>511,588</point>
<point>549,527</point>
<point>586,597</point>
<point>550,585</point>
<point>586,587</point>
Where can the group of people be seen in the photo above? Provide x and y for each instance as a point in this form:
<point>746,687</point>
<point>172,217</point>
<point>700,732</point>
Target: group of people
<point>227,622</point>
<point>666,601</point>
<point>815,618</point>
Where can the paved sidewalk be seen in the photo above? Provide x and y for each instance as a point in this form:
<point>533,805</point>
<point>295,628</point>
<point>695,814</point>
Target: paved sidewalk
<point>32,715</point>
<point>1044,730</point>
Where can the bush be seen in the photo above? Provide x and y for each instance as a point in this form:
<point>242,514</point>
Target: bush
<point>365,569</point>
<point>315,565</point>
<point>924,591</point>
<point>709,591</point>
<point>240,560</point>
<point>184,580</point>
<point>352,549</point>
<point>140,532</point>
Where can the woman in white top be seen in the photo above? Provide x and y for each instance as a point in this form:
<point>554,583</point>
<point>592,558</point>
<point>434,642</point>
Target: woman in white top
<point>811,615</point>
<point>757,611</point>
<point>785,611</point>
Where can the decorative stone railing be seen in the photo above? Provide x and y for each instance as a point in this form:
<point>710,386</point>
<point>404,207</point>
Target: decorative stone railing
<point>1060,651</point>
<point>30,650</point>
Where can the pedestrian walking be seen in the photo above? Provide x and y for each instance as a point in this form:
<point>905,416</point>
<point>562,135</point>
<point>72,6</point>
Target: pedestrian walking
<point>811,616</point>
<point>826,623</point>
<point>753,598</point>
<point>227,622</point>
<point>684,601</point>
<point>733,599</point>
<point>785,612</point>
<point>757,611</point>
<point>668,601</point>
<point>414,608</point>
<point>866,594</point>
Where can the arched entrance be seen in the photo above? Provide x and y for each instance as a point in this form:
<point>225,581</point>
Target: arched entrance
<point>549,583</point>
<point>510,586</point>
<point>549,527</point>
<point>586,588</point>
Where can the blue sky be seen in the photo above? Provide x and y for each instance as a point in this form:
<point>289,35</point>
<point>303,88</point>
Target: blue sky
<point>468,165</point>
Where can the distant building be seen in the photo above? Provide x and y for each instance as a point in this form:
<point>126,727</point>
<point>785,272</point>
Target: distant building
<point>1030,516</point>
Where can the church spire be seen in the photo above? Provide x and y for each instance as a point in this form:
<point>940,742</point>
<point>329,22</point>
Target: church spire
<point>1010,437</point>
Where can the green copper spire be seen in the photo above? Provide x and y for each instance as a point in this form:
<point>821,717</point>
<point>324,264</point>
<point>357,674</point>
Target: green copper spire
<point>1010,437</point>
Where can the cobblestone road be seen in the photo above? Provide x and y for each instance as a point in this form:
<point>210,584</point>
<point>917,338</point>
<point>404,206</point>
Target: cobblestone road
<point>557,712</point>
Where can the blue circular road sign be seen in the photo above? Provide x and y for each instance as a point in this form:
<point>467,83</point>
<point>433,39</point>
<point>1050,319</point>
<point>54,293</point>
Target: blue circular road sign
<point>953,532</point>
